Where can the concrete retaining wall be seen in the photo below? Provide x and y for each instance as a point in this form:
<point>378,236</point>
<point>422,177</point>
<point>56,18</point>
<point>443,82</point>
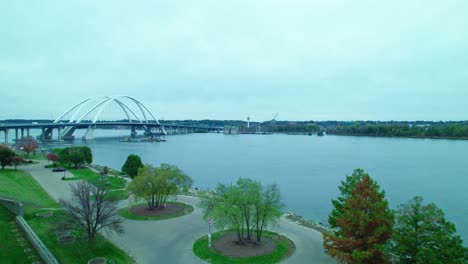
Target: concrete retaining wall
<point>36,242</point>
<point>15,206</point>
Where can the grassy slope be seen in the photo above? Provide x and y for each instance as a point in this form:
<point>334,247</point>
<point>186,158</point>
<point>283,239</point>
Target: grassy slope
<point>20,185</point>
<point>10,250</point>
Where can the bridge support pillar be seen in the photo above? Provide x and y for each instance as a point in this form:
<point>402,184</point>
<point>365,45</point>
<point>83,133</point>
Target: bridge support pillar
<point>27,132</point>
<point>22,133</point>
<point>16,136</point>
<point>43,137</point>
<point>6,136</point>
<point>59,133</point>
<point>133,132</point>
<point>89,133</point>
<point>68,133</point>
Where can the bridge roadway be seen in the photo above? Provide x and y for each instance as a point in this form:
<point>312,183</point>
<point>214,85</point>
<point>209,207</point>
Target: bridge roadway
<point>48,127</point>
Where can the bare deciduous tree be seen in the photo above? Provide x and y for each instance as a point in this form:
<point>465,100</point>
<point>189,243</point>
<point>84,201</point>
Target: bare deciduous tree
<point>93,210</point>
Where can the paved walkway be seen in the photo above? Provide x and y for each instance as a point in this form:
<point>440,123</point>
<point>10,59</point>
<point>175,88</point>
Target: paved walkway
<point>171,240</point>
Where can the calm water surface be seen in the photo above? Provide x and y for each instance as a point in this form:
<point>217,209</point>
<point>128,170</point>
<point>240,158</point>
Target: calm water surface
<point>309,169</point>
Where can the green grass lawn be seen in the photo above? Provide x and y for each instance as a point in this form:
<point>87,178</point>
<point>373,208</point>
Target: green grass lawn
<point>21,186</point>
<point>284,248</point>
<point>10,249</point>
<point>125,212</point>
<point>79,251</point>
<point>95,179</point>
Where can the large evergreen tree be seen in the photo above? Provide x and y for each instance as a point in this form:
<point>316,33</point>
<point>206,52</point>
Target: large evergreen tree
<point>422,235</point>
<point>362,223</point>
<point>345,188</point>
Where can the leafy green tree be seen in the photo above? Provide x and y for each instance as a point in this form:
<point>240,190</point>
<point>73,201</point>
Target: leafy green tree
<point>6,156</point>
<point>422,235</point>
<point>363,226</point>
<point>246,207</point>
<point>155,185</point>
<point>219,206</point>
<point>76,155</point>
<point>131,165</point>
<point>268,209</point>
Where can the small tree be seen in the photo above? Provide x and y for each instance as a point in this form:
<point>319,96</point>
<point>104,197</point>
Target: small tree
<point>246,207</point>
<point>92,210</point>
<point>131,165</point>
<point>363,226</point>
<point>268,209</point>
<point>28,145</point>
<point>105,170</point>
<point>155,185</point>
<point>6,156</point>
<point>52,157</point>
<point>17,160</point>
<point>422,235</point>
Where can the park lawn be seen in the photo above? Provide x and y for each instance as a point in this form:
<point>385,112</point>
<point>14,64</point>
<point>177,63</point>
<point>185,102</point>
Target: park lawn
<point>117,194</point>
<point>125,212</point>
<point>94,178</point>
<point>284,248</point>
<point>79,251</point>
<point>10,250</point>
<point>19,185</point>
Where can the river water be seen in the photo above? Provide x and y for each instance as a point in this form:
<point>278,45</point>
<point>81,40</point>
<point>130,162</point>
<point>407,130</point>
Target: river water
<point>309,169</point>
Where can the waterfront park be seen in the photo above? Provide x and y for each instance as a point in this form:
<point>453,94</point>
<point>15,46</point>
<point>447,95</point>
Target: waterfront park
<point>59,206</point>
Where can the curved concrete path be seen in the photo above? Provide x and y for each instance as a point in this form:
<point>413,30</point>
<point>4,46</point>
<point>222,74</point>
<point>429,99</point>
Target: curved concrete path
<point>171,240</point>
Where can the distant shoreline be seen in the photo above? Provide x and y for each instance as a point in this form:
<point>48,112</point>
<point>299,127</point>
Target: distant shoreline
<point>385,136</point>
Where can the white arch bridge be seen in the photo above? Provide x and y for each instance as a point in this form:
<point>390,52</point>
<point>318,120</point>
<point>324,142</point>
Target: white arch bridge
<point>90,114</point>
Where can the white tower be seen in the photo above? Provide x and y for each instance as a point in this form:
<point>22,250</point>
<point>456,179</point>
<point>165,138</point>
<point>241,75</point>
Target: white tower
<point>248,121</point>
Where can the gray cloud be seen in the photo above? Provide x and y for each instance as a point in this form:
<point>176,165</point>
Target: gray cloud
<point>226,60</point>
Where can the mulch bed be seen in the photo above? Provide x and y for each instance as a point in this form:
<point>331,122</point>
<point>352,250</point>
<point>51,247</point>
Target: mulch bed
<point>227,246</point>
<point>143,210</point>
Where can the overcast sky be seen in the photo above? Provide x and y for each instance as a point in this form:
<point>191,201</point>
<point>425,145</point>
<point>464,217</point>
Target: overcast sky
<point>306,60</point>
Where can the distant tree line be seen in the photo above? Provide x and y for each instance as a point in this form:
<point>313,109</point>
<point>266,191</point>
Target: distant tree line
<point>442,130</point>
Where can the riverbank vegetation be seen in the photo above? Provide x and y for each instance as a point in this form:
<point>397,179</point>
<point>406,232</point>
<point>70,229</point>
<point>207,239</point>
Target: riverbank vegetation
<point>365,230</point>
<point>438,130</point>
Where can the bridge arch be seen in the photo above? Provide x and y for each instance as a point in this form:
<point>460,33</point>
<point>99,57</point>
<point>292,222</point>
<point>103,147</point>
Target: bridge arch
<point>90,110</point>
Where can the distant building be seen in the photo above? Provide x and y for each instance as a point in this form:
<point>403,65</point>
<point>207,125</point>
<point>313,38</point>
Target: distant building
<point>231,130</point>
